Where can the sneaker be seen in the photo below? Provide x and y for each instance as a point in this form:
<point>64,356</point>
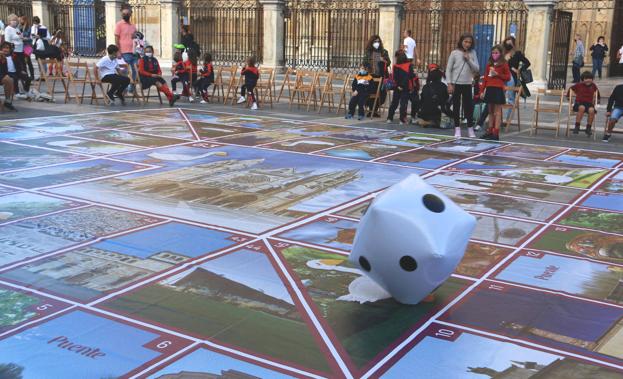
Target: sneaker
<point>588,132</point>
<point>173,99</point>
<point>241,100</point>
<point>254,107</point>
<point>470,133</point>
<point>576,130</point>
<point>389,121</point>
<point>122,100</point>
<point>403,122</point>
<point>348,116</point>
<point>9,106</point>
<point>112,102</point>
<point>413,121</point>
<point>360,117</point>
<point>203,102</point>
<point>606,137</point>
<point>457,132</point>
<point>477,127</point>
<point>191,99</point>
<point>21,96</point>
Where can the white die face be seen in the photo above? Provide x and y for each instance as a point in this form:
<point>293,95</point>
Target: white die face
<point>411,239</point>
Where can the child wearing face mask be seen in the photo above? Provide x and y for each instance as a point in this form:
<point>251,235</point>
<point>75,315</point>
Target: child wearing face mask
<point>497,73</point>
<point>361,91</point>
<point>179,72</point>
<point>108,69</point>
<point>150,74</point>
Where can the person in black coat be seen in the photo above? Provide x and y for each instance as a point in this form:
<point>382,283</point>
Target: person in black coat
<point>403,75</point>
<point>379,60</point>
<point>598,53</point>
<point>434,97</point>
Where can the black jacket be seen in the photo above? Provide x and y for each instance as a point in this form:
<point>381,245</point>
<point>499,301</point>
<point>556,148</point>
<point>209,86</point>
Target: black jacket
<point>599,51</point>
<point>434,97</point>
<point>382,67</point>
<point>616,99</point>
<point>361,83</point>
<point>251,76</point>
<point>403,74</point>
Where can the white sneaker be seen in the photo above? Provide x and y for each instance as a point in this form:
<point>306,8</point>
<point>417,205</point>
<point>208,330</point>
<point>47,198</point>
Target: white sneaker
<point>470,133</point>
<point>191,99</point>
<point>21,96</point>
<point>254,107</point>
<point>242,99</point>
<point>457,132</point>
<point>389,121</point>
<point>203,102</point>
<point>477,128</point>
<point>112,102</point>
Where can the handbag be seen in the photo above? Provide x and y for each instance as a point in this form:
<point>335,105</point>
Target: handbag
<point>526,76</point>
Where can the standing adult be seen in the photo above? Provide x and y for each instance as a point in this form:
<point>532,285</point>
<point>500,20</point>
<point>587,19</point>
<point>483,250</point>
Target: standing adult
<point>13,35</point>
<point>378,58</point>
<point>409,45</point>
<point>578,58</point>
<point>24,27</point>
<point>517,62</point>
<point>598,53</point>
<point>460,71</point>
<point>124,39</point>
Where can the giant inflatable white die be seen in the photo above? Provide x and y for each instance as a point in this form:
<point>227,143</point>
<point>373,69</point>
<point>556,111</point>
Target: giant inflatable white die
<point>411,239</point>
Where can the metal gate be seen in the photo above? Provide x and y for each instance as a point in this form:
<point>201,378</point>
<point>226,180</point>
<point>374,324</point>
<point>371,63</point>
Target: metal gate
<point>559,49</point>
<point>616,68</point>
<point>17,7</point>
<point>328,34</point>
<point>436,25</point>
<point>82,23</point>
<point>230,30</point>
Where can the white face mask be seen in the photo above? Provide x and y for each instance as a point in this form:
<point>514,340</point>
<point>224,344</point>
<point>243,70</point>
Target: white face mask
<point>149,55</point>
<point>376,45</point>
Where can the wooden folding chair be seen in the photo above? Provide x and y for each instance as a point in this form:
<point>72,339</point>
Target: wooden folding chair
<point>148,95</point>
<point>97,83</point>
<point>514,107</point>
<point>79,74</point>
<point>127,70</point>
<point>265,85</point>
<point>539,108</point>
<point>377,96</point>
<point>318,86</point>
<point>304,85</point>
<point>51,64</point>
<point>218,87</point>
<point>287,82</point>
<point>572,113</point>
<point>232,79</point>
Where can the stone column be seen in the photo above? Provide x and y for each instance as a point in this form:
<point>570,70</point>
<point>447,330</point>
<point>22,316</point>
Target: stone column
<point>170,27</point>
<point>113,14</point>
<point>40,8</point>
<point>389,24</point>
<point>273,48</point>
<point>540,17</point>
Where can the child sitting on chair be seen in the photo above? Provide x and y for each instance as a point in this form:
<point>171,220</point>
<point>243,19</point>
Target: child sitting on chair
<point>361,91</point>
<point>251,76</point>
<point>584,95</point>
<point>207,78</point>
<point>190,65</point>
<point>179,72</point>
<point>150,74</point>
<point>614,110</point>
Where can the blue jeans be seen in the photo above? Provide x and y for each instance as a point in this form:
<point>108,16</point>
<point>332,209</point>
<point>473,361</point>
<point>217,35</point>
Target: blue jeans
<point>616,114</point>
<point>597,64</point>
<point>575,70</point>
<point>130,59</point>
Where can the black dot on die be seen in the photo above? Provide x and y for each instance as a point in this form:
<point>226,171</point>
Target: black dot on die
<point>363,262</point>
<point>433,203</point>
<point>408,263</point>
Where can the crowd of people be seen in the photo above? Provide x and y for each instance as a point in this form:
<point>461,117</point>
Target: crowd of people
<point>456,91</point>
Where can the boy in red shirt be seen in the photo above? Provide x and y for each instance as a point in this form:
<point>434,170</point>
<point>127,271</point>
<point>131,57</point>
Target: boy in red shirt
<point>584,95</point>
<point>150,74</point>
